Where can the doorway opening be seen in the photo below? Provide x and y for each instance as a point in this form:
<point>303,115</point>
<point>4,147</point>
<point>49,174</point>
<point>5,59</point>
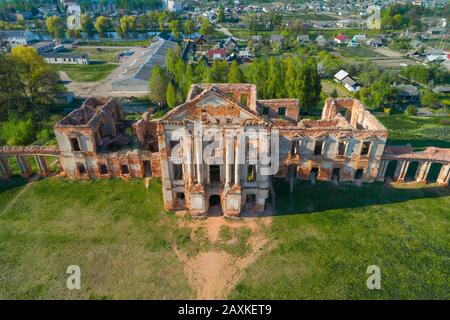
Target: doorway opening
<point>215,206</point>
<point>147,169</point>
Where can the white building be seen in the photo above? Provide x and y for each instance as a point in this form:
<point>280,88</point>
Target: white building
<point>19,37</point>
<point>66,58</point>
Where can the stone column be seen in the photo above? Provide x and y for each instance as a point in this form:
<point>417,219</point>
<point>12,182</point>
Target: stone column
<point>199,157</point>
<point>24,166</point>
<point>43,166</point>
<point>382,170</point>
<point>399,169</point>
<point>444,175</point>
<point>403,171</point>
<point>187,150</point>
<point>229,155</point>
<point>237,164</point>
<point>5,170</point>
<point>422,171</point>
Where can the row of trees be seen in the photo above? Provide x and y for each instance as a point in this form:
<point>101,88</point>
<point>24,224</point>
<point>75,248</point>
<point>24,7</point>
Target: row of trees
<point>291,77</point>
<point>126,24</point>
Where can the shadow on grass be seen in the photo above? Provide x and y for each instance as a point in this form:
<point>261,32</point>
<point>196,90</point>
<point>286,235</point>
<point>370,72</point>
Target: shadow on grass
<point>12,183</point>
<point>323,196</point>
<point>421,144</point>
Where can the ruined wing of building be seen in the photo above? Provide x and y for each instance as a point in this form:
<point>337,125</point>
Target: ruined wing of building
<point>208,150</point>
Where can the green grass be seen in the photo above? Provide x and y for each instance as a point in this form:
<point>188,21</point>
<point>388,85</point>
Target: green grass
<point>361,52</point>
<point>329,85</point>
<point>420,132</point>
<point>326,236</point>
<point>117,232</point>
<point>125,43</point>
<point>323,238</point>
<point>106,55</point>
<point>87,72</point>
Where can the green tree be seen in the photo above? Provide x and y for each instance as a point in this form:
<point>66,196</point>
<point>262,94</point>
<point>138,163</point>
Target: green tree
<point>235,74</point>
<point>171,95</point>
<point>157,86</point>
<point>162,16</point>
<point>206,27</point>
<point>55,26</point>
<point>127,24</point>
<point>86,24</point>
<point>220,14</point>
<point>188,27</point>
<point>428,98</point>
<point>17,132</point>
<point>218,73</point>
<point>174,26</point>
<point>102,24</point>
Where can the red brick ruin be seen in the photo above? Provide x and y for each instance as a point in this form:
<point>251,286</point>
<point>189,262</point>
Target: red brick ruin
<point>95,141</point>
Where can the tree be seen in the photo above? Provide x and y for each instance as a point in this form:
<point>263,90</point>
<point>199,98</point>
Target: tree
<point>235,74</point>
<point>157,86</point>
<point>171,95</point>
<point>334,93</point>
<point>161,19</point>
<point>174,26</point>
<point>127,24</point>
<point>86,24</point>
<point>428,98</point>
<point>102,24</point>
<point>188,27</point>
<point>218,73</point>
<point>206,27</point>
<point>17,132</point>
<point>27,84</point>
<point>220,14</point>
<point>55,26</point>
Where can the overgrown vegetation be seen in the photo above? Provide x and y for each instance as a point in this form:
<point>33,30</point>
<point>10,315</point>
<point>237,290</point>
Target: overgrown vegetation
<point>27,91</point>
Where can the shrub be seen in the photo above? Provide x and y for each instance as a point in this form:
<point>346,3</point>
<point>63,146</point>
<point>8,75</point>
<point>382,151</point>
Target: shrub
<point>411,110</point>
<point>17,132</point>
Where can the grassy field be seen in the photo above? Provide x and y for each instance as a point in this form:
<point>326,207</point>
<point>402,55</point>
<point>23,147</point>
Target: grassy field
<point>106,55</point>
<point>115,231</point>
<point>361,52</point>
<point>329,85</point>
<point>87,73</point>
<point>323,245</point>
<point>420,132</point>
<point>122,240</point>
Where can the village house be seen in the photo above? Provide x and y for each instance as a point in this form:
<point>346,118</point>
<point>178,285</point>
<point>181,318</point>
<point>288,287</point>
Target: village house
<point>217,54</point>
<point>20,37</point>
<point>407,93</point>
<point>341,39</point>
<point>343,78</point>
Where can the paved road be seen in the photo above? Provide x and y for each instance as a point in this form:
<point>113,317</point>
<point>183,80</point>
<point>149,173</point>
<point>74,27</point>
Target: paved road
<point>103,87</point>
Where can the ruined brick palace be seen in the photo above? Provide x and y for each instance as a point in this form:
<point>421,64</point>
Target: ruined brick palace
<point>234,129</point>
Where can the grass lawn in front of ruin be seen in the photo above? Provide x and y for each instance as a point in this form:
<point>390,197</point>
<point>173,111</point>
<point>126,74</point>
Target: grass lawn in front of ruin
<point>323,238</point>
<point>116,232</point>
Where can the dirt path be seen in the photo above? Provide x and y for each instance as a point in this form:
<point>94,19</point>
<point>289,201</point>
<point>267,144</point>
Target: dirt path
<point>214,274</point>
